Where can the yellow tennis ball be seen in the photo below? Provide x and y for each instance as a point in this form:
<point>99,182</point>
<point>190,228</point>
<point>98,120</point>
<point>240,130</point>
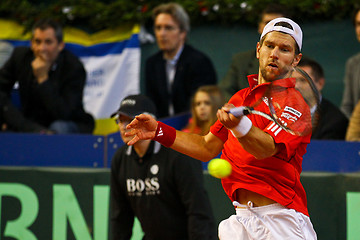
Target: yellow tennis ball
<point>219,168</point>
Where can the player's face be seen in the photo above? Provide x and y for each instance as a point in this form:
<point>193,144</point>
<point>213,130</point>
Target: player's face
<point>45,44</point>
<point>357,25</point>
<point>168,34</point>
<point>122,121</point>
<point>202,106</point>
<point>276,56</point>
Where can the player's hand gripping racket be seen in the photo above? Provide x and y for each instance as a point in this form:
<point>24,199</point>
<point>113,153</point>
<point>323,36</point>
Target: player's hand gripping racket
<point>293,111</point>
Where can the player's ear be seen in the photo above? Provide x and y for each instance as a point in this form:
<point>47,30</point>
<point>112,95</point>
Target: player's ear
<point>258,50</point>
<point>320,84</point>
<point>297,59</point>
<point>61,46</point>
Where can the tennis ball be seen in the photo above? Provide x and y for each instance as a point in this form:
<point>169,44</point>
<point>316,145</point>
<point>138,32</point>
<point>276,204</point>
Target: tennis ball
<point>219,168</point>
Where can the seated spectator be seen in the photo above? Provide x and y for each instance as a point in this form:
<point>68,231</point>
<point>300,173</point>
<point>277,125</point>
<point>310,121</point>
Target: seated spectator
<point>353,130</point>
<point>204,105</point>
<point>330,122</point>
<point>164,189</point>
<point>51,82</point>
<point>351,94</point>
<point>174,73</point>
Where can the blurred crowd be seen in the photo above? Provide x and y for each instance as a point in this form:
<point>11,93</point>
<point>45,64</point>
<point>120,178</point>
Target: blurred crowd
<point>51,99</point>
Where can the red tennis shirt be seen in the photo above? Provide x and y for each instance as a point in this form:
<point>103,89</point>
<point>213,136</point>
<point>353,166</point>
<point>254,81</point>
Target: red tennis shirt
<point>276,177</point>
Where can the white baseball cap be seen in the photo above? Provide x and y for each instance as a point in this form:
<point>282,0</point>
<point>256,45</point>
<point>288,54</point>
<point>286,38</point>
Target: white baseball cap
<point>295,32</point>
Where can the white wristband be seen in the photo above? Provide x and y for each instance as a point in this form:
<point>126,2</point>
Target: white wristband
<point>242,128</point>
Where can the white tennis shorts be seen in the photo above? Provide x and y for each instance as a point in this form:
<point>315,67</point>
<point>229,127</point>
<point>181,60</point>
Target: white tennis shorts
<point>271,222</point>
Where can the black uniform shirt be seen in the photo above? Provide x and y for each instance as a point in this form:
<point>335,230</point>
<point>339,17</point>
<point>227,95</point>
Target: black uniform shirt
<point>164,190</point>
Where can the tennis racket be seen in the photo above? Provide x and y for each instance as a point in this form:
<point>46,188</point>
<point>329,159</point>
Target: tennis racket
<point>293,110</point>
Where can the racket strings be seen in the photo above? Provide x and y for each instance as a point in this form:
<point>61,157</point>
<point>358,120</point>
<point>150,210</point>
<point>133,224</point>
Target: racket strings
<point>305,85</point>
<point>288,108</point>
<point>294,109</point>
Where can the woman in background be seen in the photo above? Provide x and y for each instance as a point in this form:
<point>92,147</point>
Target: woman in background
<point>204,105</point>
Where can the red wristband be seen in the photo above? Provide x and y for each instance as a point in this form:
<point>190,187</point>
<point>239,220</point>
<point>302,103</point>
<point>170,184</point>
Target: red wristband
<point>165,134</point>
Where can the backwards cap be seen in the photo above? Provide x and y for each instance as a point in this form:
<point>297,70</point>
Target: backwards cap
<point>295,32</point>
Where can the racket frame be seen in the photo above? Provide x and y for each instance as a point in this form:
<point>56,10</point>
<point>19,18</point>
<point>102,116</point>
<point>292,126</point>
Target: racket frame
<point>246,110</point>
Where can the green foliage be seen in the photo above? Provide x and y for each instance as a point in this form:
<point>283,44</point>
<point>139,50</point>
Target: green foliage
<point>94,15</point>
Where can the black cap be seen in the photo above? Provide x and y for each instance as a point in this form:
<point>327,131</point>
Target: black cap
<point>134,105</point>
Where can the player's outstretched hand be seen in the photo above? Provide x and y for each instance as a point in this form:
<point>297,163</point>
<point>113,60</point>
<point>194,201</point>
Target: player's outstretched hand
<point>142,127</point>
<point>227,119</point>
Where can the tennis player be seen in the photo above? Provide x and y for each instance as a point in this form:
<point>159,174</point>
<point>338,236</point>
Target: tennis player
<point>264,186</point>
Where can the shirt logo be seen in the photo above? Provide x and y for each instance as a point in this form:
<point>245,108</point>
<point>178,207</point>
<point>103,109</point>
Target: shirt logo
<point>293,111</point>
<point>154,169</point>
<point>273,127</point>
<point>289,114</point>
<point>140,187</point>
<point>266,101</point>
<point>149,186</point>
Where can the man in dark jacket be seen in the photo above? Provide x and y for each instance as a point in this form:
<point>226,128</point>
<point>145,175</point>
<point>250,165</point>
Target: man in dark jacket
<point>51,82</point>
<point>330,122</point>
<point>174,73</point>
<point>162,188</point>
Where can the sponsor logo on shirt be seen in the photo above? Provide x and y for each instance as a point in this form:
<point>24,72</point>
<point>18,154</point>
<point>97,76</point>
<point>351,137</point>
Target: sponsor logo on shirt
<point>293,111</point>
<point>289,115</point>
<point>266,100</point>
<point>154,169</point>
<point>148,186</point>
<point>273,127</point>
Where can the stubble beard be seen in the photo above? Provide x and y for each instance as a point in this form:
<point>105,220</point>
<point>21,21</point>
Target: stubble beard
<point>270,76</point>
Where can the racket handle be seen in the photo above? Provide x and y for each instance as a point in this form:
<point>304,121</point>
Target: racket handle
<point>238,111</point>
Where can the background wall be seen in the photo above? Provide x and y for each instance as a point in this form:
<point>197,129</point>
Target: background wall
<point>331,43</point>
<point>38,202</point>
<point>73,203</point>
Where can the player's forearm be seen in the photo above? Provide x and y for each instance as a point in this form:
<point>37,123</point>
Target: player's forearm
<point>195,146</point>
<point>258,143</point>
<point>203,148</point>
